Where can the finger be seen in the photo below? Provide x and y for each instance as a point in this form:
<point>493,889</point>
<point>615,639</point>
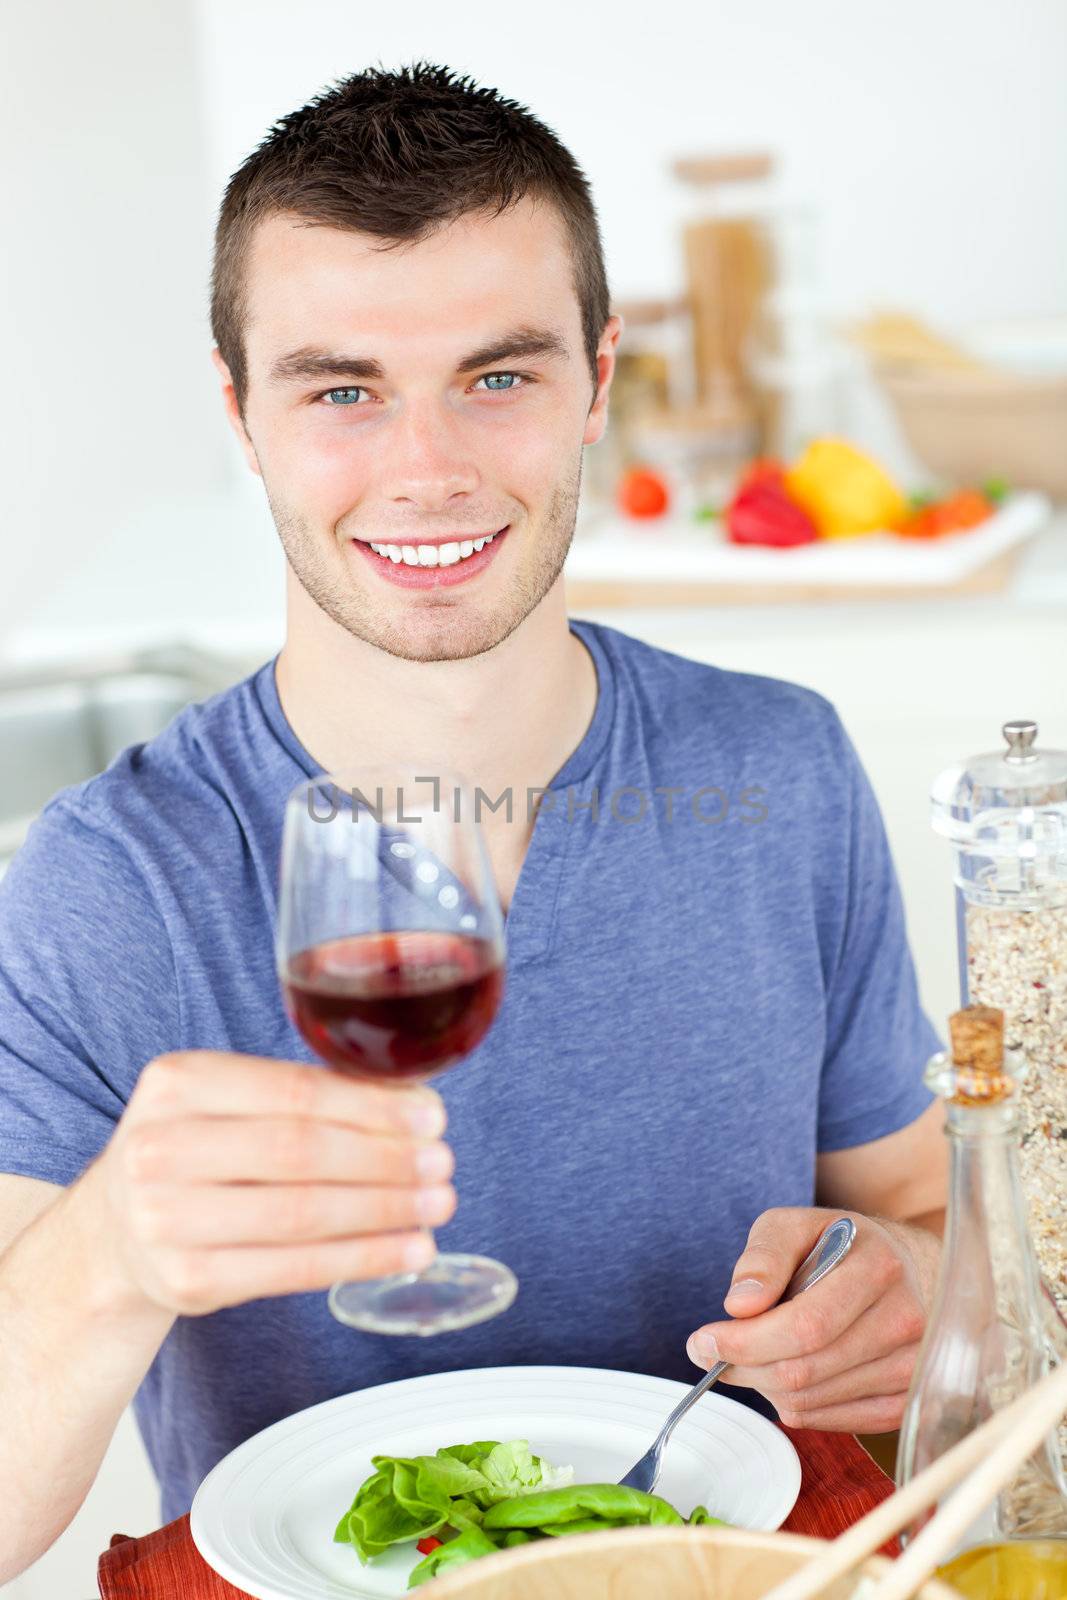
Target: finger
<point>778,1241</point>
<point>221,1083</point>
<point>805,1325</point>
<point>890,1374</point>
<point>279,1150</point>
<point>885,1375</point>
<point>895,1321</point>
<point>199,1281</point>
<point>878,1414</point>
<point>228,1215</point>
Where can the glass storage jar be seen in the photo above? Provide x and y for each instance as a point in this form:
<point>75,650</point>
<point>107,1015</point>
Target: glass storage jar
<point>1005,814</point>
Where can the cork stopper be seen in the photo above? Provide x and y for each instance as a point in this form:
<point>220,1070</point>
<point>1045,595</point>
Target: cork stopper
<point>977,1036</point>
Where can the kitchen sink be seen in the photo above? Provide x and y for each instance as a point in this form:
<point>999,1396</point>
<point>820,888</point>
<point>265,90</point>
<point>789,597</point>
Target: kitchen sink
<point>62,724</point>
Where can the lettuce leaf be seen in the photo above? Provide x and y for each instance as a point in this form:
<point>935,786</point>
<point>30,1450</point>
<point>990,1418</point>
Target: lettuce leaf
<point>701,1514</point>
<point>468,1547</point>
<point>408,1497</point>
<point>493,1496</point>
<point>554,1477</point>
<point>405,1498</point>
<point>511,1469</point>
<point>610,1503</point>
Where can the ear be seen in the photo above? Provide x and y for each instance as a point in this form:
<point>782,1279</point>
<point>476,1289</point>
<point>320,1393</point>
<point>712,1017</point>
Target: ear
<point>229,399</point>
<point>597,419</point>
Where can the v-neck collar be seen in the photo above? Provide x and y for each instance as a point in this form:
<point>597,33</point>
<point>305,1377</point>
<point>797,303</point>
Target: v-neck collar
<point>531,916</point>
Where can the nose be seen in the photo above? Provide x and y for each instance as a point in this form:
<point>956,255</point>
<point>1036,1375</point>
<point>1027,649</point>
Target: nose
<point>426,459</point>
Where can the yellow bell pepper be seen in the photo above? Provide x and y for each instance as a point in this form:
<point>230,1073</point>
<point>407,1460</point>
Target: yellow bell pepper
<point>843,490</point>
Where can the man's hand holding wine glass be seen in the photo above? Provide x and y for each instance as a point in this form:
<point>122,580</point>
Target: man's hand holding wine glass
<point>233,1177</point>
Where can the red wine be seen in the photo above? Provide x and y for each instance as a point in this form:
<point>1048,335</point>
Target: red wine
<point>394,1005</point>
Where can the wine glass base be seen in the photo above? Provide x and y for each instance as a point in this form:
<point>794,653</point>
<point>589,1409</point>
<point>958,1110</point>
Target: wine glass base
<point>454,1291</point>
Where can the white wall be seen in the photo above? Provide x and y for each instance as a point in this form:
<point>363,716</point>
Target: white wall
<point>106,404</point>
<point>932,137</point>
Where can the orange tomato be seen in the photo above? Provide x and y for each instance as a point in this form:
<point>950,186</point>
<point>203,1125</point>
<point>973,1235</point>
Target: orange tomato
<point>643,493</point>
<point>965,509</point>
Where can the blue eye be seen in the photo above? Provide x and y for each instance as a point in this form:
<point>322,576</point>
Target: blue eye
<point>510,375</point>
<point>511,382</point>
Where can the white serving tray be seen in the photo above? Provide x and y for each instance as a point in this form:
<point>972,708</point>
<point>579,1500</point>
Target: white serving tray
<point>620,550</point>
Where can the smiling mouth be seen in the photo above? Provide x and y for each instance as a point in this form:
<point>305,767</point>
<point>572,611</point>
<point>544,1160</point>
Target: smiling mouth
<point>446,553</point>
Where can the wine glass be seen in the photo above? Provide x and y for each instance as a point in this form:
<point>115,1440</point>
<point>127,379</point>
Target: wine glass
<point>390,952</point>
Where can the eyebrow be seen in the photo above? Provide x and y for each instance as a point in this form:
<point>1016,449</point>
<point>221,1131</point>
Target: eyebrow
<point>312,362</point>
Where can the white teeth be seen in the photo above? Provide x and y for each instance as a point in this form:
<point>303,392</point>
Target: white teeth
<point>431,555</point>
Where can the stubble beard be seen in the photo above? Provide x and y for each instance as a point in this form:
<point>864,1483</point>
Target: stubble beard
<point>441,628</point>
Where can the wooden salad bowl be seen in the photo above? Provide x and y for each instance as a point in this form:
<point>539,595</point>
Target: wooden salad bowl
<point>698,1563</point>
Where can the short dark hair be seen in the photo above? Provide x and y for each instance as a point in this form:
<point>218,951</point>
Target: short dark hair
<point>397,154</point>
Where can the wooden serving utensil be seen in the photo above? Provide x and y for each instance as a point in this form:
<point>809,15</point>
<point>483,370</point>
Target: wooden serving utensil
<point>994,1451</point>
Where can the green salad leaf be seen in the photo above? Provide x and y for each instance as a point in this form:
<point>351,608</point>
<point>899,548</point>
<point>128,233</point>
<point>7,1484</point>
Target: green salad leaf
<point>603,1503</point>
<point>470,1544</point>
<point>490,1496</point>
<point>700,1514</point>
<point>511,1469</point>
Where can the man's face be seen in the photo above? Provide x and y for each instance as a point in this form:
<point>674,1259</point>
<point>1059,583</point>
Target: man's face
<point>394,437</point>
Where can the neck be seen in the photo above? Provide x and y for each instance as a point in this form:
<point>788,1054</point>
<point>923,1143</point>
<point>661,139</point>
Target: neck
<point>510,716</point>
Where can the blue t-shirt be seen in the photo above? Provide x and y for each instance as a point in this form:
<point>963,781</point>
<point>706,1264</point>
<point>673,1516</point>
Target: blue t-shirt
<point>709,982</point>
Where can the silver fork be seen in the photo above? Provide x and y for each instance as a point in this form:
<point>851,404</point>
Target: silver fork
<point>832,1245</point>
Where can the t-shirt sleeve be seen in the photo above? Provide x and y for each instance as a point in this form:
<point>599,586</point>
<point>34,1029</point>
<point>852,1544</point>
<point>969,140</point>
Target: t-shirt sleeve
<point>878,1037</point>
<point>87,992</point>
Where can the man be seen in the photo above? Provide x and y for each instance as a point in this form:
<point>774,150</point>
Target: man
<point>710,1032</point>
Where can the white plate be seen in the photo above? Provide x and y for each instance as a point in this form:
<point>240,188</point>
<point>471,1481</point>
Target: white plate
<point>264,1518</point>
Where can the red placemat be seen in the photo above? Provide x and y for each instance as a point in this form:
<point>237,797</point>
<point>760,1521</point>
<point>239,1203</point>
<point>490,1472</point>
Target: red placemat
<point>839,1484</point>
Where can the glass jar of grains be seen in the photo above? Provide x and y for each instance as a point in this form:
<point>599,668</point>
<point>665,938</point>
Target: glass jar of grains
<point>1006,815</point>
